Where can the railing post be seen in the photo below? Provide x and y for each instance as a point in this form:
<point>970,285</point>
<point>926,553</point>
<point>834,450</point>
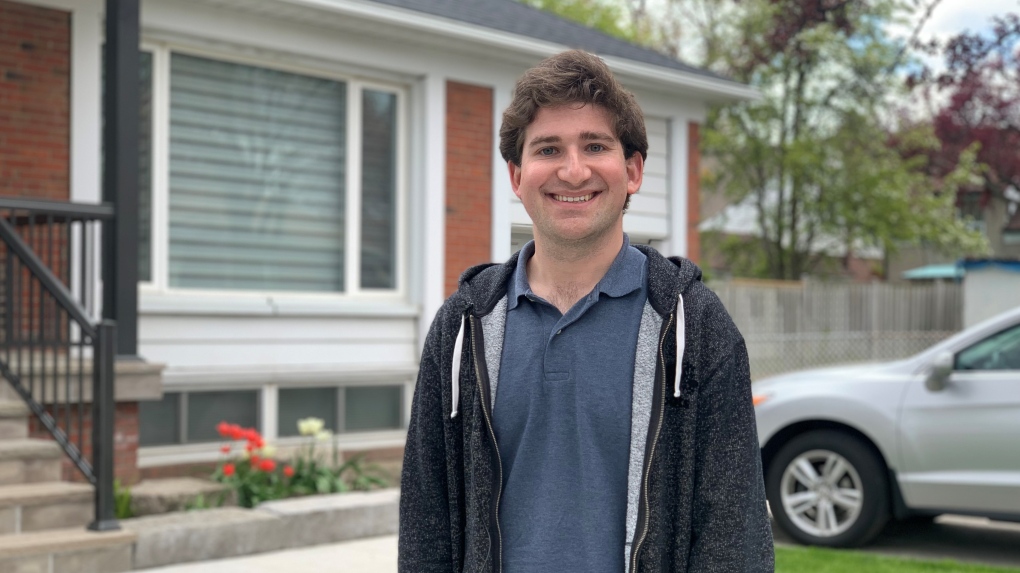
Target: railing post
<point>104,354</point>
<point>120,171</point>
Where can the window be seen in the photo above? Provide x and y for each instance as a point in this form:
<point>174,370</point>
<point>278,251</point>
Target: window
<point>267,179</point>
<point>190,417</point>
<point>298,403</point>
<point>373,408</point>
<point>998,352</point>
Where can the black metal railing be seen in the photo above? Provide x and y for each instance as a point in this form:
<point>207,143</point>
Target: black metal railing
<point>55,350</point>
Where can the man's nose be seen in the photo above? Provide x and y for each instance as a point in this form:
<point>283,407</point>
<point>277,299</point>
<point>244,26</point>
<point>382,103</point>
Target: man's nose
<point>574,170</point>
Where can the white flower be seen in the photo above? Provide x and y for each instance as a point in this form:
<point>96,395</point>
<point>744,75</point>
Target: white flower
<point>323,435</point>
<point>310,426</point>
<point>268,451</point>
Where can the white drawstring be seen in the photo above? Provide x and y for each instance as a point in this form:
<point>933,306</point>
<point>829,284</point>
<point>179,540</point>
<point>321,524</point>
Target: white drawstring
<point>679,344</point>
<point>458,350</point>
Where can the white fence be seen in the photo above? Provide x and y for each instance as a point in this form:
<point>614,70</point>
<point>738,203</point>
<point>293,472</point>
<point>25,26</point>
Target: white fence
<point>795,325</point>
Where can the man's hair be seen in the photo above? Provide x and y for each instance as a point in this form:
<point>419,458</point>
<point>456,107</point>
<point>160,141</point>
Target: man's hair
<point>572,77</point>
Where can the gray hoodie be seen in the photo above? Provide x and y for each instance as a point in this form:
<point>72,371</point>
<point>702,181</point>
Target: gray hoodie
<point>696,498</point>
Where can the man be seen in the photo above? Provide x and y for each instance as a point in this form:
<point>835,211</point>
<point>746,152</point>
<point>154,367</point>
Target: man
<point>586,406</point>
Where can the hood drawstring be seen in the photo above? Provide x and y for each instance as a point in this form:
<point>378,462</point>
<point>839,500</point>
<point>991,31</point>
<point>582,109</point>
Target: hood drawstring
<point>458,351</point>
<point>680,342</point>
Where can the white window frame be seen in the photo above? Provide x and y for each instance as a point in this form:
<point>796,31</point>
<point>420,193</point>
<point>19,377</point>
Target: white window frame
<point>160,183</point>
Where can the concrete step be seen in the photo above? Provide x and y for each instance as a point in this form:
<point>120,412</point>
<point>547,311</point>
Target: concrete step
<point>13,419</point>
<point>47,505</point>
<point>29,460</point>
<point>67,551</point>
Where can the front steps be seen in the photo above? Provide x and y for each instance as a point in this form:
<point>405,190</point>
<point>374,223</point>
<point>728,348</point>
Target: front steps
<point>75,550</point>
<point>43,519</point>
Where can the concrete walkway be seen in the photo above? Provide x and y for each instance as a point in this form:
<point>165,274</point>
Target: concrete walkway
<point>372,555</point>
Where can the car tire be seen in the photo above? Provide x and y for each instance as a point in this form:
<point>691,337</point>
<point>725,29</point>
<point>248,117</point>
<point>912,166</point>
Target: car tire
<point>828,488</point>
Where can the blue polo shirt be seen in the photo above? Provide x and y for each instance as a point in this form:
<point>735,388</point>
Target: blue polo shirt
<point>562,421</point>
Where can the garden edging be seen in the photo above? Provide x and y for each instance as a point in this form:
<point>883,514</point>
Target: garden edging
<point>272,526</point>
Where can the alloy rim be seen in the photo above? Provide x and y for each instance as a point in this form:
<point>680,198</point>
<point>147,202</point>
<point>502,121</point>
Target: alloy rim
<point>821,493</point>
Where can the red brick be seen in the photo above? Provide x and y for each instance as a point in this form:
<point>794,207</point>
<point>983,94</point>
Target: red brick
<point>35,107</point>
<point>469,140</point>
<point>693,191</point>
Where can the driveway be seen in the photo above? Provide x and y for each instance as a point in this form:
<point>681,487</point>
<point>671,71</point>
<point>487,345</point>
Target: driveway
<point>965,539</point>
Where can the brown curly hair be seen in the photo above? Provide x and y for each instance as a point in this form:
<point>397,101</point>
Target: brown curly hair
<point>571,77</point>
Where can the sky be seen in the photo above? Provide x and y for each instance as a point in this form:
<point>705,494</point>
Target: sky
<point>954,16</point>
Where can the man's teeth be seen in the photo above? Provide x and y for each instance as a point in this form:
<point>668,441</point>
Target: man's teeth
<point>580,199</point>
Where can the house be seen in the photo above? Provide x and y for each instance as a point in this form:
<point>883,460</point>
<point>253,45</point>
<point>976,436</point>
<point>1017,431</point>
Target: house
<point>996,217</point>
<point>314,175</point>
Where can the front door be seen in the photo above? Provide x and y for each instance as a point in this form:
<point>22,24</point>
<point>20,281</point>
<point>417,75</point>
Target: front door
<point>960,446</point>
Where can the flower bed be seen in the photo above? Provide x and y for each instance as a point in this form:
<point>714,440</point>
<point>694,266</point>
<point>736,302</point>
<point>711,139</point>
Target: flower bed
<point>255,475</point>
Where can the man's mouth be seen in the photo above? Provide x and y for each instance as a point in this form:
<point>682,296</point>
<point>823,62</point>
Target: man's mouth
<point>579,199</point>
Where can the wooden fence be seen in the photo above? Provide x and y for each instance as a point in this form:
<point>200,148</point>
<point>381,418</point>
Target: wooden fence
<point>796,325</point>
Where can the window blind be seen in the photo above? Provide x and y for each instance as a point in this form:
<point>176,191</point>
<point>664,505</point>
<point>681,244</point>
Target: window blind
<point>257,168</point>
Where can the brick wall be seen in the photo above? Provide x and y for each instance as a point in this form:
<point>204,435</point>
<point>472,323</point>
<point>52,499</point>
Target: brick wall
<point>35,90</point>
<point>469,142</point>
<point>125,440</point>
<point>693,191</point>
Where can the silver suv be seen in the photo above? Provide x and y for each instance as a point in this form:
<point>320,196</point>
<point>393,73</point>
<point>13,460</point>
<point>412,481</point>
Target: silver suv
<point>844,449</point>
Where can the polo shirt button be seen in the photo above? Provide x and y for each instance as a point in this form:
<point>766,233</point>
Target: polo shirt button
<point>560,331</point>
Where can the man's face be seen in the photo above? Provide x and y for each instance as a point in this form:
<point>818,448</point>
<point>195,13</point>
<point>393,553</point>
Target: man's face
<point>573,178</point>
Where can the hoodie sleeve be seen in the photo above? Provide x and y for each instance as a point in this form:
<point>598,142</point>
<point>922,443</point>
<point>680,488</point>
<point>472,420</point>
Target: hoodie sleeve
<point>730,526</point>
<point>424,544</point>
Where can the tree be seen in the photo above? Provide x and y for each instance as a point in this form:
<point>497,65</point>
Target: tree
<point>975,104</point>
<point>607,17</point>
<point>812,156</point>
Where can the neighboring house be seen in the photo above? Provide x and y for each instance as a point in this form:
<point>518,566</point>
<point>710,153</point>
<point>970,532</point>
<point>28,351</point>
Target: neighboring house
<point>998,218</point>
<point>728,228</point>
<point>315,175</point>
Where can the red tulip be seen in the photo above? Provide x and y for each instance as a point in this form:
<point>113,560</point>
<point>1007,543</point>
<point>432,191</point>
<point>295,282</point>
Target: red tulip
<point>228,469</point>
<point>288,471</point>
<point>225,448</point>
<point>267,465</point>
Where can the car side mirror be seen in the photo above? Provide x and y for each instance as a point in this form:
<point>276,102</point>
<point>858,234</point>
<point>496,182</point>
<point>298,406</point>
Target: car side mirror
<point>941,368</point>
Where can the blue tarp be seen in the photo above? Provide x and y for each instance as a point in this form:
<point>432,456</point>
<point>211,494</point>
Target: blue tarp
<point>934,272</point>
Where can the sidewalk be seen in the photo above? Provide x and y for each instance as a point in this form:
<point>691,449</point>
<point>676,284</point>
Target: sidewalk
<point>371,555</point>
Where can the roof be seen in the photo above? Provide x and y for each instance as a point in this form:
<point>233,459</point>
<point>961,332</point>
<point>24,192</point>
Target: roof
<point>516,18</point>
<point>969,265</point>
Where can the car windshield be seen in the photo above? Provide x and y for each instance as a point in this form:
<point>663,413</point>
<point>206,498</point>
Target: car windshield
<point>1000,351</point>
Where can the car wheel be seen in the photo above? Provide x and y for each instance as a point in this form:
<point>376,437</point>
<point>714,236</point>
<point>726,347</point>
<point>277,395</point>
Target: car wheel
<point>828,488</point>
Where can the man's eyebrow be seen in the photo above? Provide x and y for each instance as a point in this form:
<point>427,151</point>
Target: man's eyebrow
<point>584,135</point>
<point>544,140</point>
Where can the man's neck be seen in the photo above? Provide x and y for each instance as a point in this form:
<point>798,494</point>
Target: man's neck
<point>562,274</point>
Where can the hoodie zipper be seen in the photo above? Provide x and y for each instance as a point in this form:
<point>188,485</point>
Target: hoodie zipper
<point>651,452</point>
<point>483,391</point>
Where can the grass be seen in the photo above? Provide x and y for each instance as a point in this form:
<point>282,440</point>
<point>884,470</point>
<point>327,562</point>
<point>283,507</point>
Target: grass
<point>816,560</point>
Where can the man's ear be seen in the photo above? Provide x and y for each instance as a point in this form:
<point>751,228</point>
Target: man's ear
<point>635,172</point>
<point>515,177</point>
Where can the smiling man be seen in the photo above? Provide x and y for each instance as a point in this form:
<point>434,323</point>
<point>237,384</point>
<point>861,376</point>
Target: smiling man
<point>586,406</point>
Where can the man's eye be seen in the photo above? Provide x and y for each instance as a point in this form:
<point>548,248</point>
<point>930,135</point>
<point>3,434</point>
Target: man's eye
<point>546,151</point>
<point>596,147</point>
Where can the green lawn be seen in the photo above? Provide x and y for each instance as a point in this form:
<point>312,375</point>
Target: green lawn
<point>815,560</point>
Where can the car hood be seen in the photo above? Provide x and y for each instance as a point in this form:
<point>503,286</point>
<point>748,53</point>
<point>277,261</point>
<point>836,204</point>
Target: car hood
<point>871,372</point>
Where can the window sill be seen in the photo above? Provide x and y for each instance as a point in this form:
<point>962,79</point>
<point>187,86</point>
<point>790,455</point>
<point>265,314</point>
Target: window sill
<point>232,303</point>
